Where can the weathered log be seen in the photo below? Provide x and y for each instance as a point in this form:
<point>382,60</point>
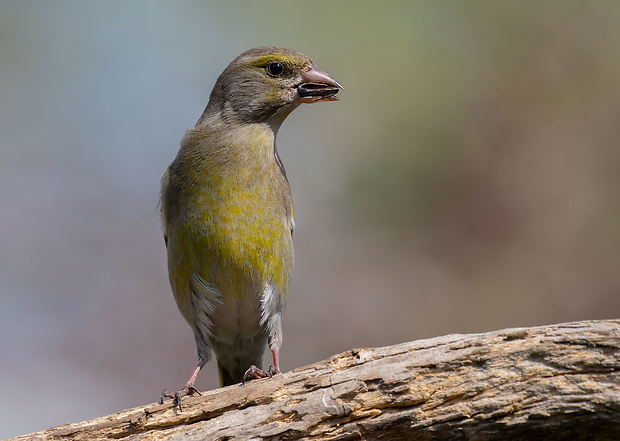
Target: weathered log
<point>549,382</point>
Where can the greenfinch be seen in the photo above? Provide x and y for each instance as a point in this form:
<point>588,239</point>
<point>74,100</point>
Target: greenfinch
<point>227,212</point>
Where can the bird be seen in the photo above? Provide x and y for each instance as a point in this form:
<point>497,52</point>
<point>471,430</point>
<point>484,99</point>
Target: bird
<point>227,213</point>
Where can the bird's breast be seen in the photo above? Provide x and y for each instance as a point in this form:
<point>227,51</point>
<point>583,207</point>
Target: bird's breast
<point>233,219</point>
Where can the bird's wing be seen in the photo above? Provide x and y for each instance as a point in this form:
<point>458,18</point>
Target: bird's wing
<point>162,207</point>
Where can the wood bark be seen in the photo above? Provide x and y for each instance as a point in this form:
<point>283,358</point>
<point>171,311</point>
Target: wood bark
<point>549,382</point>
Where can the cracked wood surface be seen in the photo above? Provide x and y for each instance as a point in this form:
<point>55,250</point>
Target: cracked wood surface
<point>549,382</point>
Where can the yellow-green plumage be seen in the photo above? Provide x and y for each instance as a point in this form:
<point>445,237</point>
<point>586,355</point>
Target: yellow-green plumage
<point>228,215</point>
<point>237,214</point>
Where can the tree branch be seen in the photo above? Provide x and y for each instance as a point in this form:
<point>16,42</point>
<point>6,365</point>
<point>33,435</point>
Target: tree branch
<point>549,382</point>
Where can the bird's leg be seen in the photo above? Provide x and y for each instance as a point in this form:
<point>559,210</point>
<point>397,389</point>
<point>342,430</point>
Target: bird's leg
<point>255,372</point>
<point>275,367</point>
<point>190,383</point>
<point>188,390</point>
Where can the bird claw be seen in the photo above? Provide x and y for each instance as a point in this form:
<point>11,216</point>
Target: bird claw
<point>176,396</point>
<point>254,372</point>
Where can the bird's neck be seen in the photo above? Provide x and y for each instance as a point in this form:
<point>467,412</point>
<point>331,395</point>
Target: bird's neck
<point>217,143</point>
<point>221,114</point>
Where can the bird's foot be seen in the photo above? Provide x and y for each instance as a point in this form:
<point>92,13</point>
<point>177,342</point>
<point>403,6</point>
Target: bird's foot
<point>254,372</point>
<point>176,396</point>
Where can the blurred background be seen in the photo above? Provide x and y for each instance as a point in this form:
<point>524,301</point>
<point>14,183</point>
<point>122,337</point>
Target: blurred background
<point>467,181</point>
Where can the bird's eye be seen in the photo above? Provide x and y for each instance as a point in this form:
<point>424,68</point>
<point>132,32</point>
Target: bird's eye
<point>275,69</point>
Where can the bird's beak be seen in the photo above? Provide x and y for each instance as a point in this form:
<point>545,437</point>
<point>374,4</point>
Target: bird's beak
<point>316,86</point>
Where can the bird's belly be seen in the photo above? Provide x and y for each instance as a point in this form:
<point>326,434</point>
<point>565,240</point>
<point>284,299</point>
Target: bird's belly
<point>236,320</point>
<point>237,337</point>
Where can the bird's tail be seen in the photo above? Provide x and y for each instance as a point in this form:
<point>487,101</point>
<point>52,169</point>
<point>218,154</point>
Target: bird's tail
<point>227,377</point>
<point>233,361</point>
<point>232,376</point>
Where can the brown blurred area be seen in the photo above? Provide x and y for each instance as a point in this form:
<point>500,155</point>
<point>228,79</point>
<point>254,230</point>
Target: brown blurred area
<point>467,181</point>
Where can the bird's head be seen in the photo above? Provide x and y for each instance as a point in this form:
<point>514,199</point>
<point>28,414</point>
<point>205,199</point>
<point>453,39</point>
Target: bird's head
<point>266,84</point>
